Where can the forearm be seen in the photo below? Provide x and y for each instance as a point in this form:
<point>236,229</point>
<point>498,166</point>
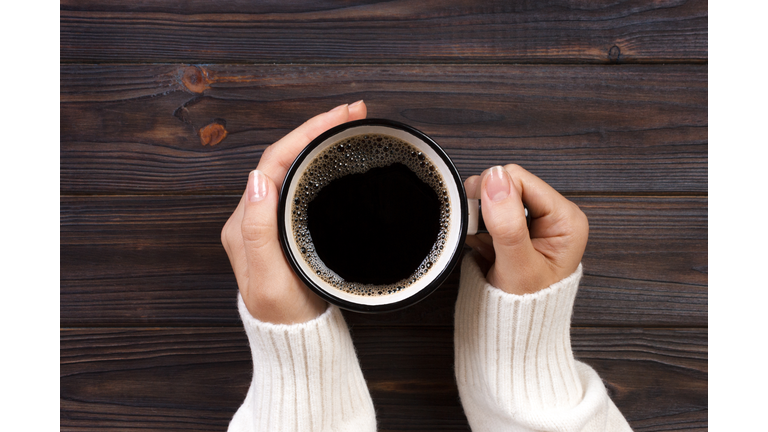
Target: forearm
<point>306,377</point>
<point>514,364</point>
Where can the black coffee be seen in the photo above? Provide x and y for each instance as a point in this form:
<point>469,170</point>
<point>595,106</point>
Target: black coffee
<point>376,227</point>
<point>371,214</point>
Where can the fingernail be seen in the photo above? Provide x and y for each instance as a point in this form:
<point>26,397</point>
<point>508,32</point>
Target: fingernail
<point>356,103</point>
<point>259,189</point>
<point>498,184</point>
<point>338,108</point>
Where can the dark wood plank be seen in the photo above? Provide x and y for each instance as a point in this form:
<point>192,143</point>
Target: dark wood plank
<point>138,129</point>
<point>375,32</point>
<point>195,378</point>
<point>142,260</point>
<point>152,379</point>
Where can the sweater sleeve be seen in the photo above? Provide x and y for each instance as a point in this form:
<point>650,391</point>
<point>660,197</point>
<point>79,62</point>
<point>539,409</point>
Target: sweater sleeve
<point>514,364</point>
<point>306,377</point>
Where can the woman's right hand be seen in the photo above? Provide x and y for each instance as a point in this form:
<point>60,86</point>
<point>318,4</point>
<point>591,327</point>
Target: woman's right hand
<point>519,261</point>
<point>270,289</point>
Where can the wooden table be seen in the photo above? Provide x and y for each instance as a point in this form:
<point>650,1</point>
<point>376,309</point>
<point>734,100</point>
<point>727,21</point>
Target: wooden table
<point>166,106</point>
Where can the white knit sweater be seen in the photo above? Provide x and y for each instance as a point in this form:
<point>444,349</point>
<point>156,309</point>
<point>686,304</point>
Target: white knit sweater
<point>514,368</point>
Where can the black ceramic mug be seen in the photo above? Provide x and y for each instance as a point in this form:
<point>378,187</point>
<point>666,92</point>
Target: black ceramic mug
<point>373,146</point>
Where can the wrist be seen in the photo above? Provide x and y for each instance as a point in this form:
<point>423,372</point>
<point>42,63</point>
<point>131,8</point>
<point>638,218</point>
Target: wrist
<point>520,281</point>
<point>288,305</point>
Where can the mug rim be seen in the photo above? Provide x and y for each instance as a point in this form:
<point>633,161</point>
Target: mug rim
<point>358,307</point>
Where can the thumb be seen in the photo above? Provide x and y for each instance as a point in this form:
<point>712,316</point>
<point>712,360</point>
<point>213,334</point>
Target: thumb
<point>504,216</point>
<point>273,291</point>
<point>259,225</point>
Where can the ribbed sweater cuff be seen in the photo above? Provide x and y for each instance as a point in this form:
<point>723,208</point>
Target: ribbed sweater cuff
<point>305,377</point>
<point>516,349</point>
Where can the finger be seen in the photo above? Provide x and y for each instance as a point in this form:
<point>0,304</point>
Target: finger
<point>559,229</point>
<point>273,292</point>
<point>543,200</point>
<point>504,217</point>
<point>483,248</point>
<point>259,226</point>
<point>278,157</point>
<point>472,187</point>
<point>357,111</point>
<point>484,237</point>
<point>232,239</point>
<point>228,239</point>
<point>482,243</point>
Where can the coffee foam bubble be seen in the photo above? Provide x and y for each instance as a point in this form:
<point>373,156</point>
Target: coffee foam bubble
<point>357,155</point>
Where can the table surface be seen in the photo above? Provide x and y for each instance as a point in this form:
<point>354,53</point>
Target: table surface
<point>166,106</point>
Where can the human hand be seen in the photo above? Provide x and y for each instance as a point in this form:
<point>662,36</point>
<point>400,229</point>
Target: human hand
<point>270,289</point>
<point>521,263</point>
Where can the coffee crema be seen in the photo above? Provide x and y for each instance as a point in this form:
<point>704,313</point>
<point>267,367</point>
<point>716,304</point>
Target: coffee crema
<point>370,215</point>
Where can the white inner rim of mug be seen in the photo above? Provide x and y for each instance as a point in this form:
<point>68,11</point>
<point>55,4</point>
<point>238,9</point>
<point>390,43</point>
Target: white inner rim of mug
<point>452,238</point>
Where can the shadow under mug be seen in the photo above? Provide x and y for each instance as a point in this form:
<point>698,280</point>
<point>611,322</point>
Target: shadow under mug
<point>464,218</point>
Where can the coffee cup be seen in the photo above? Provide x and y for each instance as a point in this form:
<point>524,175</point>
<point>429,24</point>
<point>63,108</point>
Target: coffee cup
<point>373,215</point>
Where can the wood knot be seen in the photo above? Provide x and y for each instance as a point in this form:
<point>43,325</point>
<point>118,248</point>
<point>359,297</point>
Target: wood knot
<point>194,79</point>
<point>214,133</point>
<point>614,54</point>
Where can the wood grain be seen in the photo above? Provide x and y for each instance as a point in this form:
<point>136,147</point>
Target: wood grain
<point>383,32</point>
<point>195,378</point>
<point>146,260</point>
<point>165,106</point>
<point>629,129</point>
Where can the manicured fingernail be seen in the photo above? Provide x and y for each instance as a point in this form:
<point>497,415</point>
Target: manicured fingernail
<point>258,190</point>
<point>356,103</point>
<point>338,108</point>
<point>498,184</point>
